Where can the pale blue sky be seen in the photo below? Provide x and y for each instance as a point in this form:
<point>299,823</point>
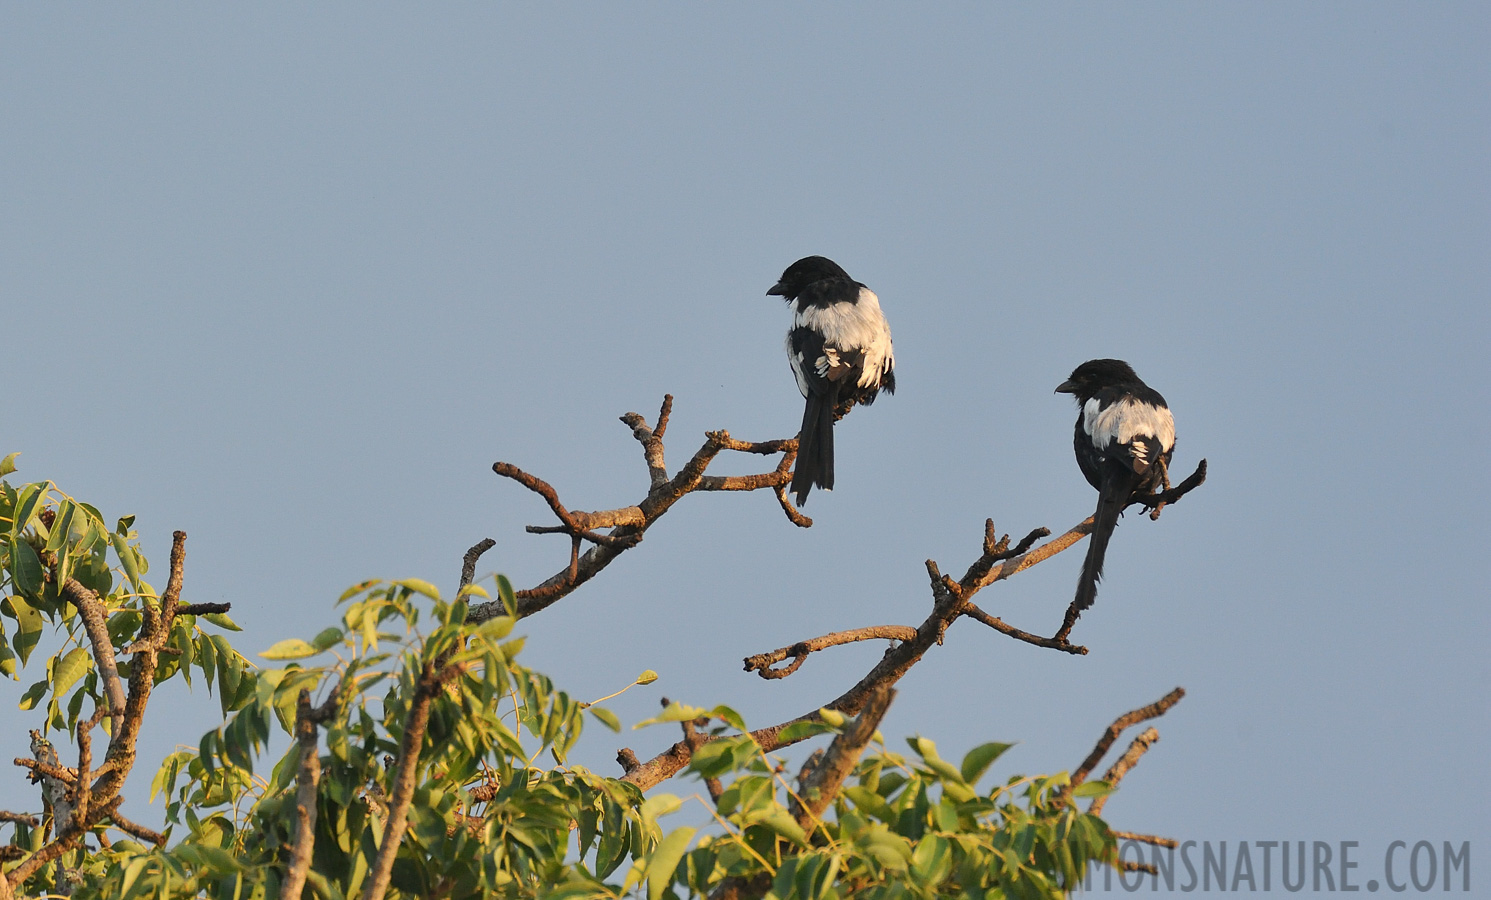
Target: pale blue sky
<point>291,278</point>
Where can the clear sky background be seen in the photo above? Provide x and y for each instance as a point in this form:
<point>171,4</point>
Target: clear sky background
<point>292,278</point>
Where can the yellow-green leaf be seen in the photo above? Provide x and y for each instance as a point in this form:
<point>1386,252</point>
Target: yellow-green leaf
<point>68,670</point>
<point>294,648</point>
<point>665,860</point>
<point>420,587</point>
<point>222,621</point>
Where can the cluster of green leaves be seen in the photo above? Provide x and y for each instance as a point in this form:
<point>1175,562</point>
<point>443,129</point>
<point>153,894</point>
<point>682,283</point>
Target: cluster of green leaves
<point>511,838</point>
<point>899,828</point>
<point>47,538</point>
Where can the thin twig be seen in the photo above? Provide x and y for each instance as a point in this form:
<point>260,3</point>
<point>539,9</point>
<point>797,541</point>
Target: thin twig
<point>1156,840</point>
<point>1125,721</point>
<point>762,663</point>
<point>1121,767</point>
<point>19,818</point>
<point>999,625</point>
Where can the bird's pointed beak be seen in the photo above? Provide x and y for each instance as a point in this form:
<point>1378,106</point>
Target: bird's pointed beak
<point>1066,387</point>
<point>777,290</point>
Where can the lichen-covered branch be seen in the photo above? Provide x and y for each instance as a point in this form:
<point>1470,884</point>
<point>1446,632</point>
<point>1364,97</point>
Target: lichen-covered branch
<point>99,801</point>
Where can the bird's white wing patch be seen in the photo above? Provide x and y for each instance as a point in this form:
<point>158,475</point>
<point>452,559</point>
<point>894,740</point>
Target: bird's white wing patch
<point>860,327</point>
<point>1125,420</point>
<point>797,362</point>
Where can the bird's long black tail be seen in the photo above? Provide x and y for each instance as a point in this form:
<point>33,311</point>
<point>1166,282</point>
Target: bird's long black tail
<point>815,446</point>
<point>1112,498</point>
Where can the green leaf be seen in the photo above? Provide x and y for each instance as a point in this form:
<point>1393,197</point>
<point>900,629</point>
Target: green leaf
<point>675,712</point>
<point>496,628</point>
<point>207,658</point>
<point>25,567</point>
<point>781,823</point>
<point>730,717</point>
<point>647,677</point>
<point>420,587</point>
<point>294,648</point>
<point>608,718</point>
<point>132,872</point>
<point>356,589</point>
<point>832,717</point>
<point>1094,788</point>
<point>660,805</point>
<point>932,860</point>
<point>8,464</point>
<point>890,851</point>
<point>509,597</point>
<point>222,621</point>
<point>127,558</point>
<point>801,731</point>
<point>30,623</point>
<point>978,760</point>
<point>30,499</point>
<point>714,758</point>
<point>67,671</point>
<point>33,694</point>
<point>327,638</point>
<point>665,860</point>
<point>61,526</point>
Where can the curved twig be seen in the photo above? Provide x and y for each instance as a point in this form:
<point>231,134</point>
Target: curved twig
<point>999,625</point>
<point>762,663</point>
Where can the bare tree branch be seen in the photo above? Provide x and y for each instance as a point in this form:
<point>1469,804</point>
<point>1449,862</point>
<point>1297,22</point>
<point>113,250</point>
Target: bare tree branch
<point>1156,840</point>
<point>628,524</point>
<point>822,784</point>
<point>432,678</point>
<point>1123,722</point>
<point>103,798</point>
<point>999,625</point>
<point>469,560</point>
<point>94,615</point>
<point>1121,767</point>
<point>64,774</point>
<point>19,818</point>
<point>950,600</point>
<point>308,775</point>
<point>762,663</point>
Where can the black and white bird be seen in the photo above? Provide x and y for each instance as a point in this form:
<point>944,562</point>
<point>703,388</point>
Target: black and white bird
<point>840,351</point>
<point>1125,438</point>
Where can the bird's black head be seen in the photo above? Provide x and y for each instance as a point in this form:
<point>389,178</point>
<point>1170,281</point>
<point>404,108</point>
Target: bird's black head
<point>804,272</point>
<point>1096,374</point>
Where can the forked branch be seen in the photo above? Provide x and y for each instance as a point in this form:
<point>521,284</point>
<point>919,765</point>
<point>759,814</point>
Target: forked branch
<point>627,525</point>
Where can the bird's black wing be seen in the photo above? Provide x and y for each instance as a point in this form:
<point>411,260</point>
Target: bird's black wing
<point>815,442</point>
<point>1125,437</point>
